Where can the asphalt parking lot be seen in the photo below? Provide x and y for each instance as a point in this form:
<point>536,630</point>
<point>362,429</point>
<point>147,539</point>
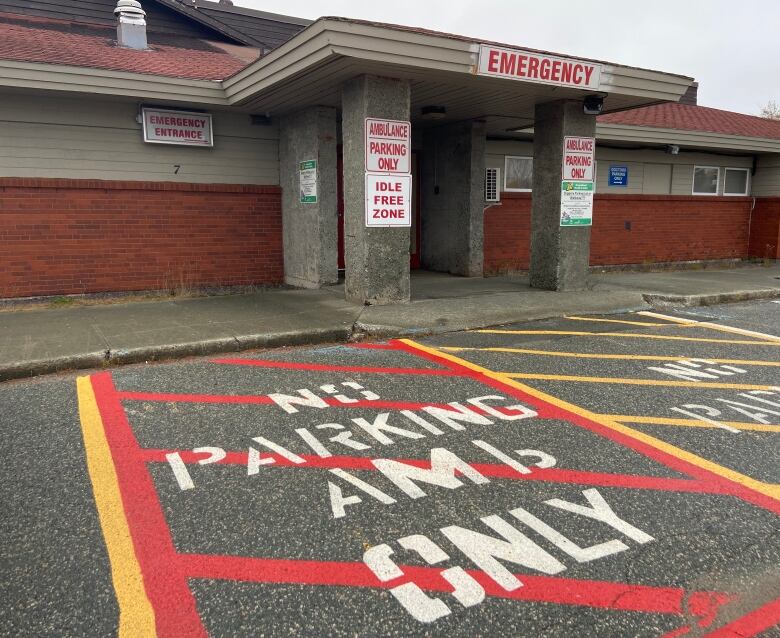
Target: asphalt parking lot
<point>599,476</point>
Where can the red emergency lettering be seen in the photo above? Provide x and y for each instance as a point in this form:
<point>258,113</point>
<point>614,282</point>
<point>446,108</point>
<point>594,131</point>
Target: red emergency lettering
<point>508,62</point>
<point>493,61</point>
<point>533,67</point>
<point>544,69</point>
<point>556,71</point>
<point>588,73</point>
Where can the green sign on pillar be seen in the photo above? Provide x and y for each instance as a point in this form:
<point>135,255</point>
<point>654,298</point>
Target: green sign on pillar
<point>576,203</point>
<point>308,181</point>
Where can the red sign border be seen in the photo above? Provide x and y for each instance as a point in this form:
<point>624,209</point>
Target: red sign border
<point>408,143</point>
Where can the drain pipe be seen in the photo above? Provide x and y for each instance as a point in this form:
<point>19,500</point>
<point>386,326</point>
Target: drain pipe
<point>750,224</point>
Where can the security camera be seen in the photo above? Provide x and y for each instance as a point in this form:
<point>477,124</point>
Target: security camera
<point>593,105</point>
<point>672,149</point>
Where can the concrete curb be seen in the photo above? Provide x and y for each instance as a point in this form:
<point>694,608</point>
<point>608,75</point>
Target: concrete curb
<point>379,331</point>
<point>345,333</point>
<point>690,301</point>
<point>25,369</point>
<point>108,358</point>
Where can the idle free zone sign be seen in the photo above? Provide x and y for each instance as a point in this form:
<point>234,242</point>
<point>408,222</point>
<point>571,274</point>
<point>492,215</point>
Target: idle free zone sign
<point>388,200</point>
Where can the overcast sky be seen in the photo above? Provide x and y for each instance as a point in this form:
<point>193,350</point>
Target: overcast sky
<point>731,47</point>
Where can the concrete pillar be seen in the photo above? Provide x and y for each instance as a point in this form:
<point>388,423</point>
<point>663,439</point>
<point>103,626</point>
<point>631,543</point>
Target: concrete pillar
<point>376,259</point>
<point>310,230</point>
<point>453,198</point>
<point>559,256</point>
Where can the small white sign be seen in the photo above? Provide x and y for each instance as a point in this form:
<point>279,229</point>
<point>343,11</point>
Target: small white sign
<point>578,158</point>
<point>388,200</point>
<point>388,146</point>
<point>163,126</point>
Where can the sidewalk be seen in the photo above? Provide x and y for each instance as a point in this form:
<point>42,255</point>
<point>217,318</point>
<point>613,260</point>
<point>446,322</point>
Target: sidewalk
<point>47,340</point>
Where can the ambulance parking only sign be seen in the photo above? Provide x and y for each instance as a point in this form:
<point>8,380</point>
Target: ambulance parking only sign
<point>388,146</point>
<point>578,158</point>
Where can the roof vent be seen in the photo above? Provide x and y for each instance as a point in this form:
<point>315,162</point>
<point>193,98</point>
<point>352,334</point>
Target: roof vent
<point>131,24</point>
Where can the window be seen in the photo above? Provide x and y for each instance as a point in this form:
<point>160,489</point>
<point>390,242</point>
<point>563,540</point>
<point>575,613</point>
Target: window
<point>518,173</point>
<point>491,184</point>
<point>705,180</point>
<point>735,182</point>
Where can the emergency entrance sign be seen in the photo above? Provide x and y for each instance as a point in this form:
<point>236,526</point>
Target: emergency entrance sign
<point>578,158</point>
<point>388,146</point>
<point>576,203</point>
<point>388,200</point>
<point>186,128</point>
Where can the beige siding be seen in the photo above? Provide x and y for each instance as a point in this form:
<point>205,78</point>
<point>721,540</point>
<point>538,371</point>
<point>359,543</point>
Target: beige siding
<point>96,139</point>
<point>657,179</point>
<point>766,182</point>
<point>682,178</point>
<point>650,172</point>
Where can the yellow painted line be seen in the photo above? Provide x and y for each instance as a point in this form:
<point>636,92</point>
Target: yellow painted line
<point>627,334</point>
<point>767,489</point>
<point>714,326</point>
<point>628,357</point>
<point>625,321</point>
<point>661,382</point>
<point>691,423</point>
<point>136,615</point>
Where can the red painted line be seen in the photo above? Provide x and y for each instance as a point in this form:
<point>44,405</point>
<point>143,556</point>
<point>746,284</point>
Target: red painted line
<point>262,399</point>
<point>705,609</point>
<point>166,584</point>
<point>751,624</point>
<point>552,475</point>
<point>565,591</point>
<point>549,411</point>
<point>318,367</point>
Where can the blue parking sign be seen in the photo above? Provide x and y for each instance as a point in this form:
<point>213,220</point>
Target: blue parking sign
<point>618,175</point>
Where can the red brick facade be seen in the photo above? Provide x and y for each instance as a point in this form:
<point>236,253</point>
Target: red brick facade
<point>84,236</point>
<point>765,229</point>
<point>640,229</point>
<point>81,236</point>
<point>508,234</point>
<point>668,228</point>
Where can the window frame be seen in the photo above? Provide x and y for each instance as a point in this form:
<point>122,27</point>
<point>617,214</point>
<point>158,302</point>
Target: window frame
<point>506,172</point>
<point>693,181</point>
<point>498,184</point>
<point>747,181</point>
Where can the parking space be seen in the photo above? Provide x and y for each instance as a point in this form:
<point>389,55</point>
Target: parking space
<point>692,385</point>
<point>450,487</point>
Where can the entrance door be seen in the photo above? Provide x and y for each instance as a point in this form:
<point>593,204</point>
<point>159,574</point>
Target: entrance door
<point>414,247</point>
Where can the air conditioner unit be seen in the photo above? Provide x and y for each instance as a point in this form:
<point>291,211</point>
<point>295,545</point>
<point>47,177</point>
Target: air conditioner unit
<point>492,192</point>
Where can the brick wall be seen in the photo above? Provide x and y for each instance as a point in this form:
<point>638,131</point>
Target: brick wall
<point>508,234</point>
<point>663,228</point>
<point>668,228</point>
<point>81,236</point>
<point>765,229</point>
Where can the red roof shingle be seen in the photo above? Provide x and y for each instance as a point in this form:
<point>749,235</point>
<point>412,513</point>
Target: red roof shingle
<point>689,117</point>
<point>49,42</point>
